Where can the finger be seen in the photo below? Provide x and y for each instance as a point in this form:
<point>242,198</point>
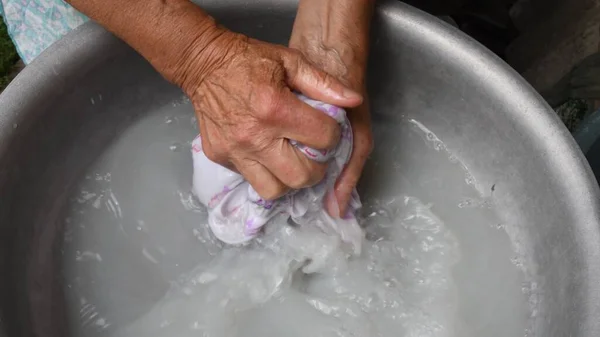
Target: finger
<point>292,167</point>
<point>299,121</point>
<point>318,84</point>
<point>346,183</point>
<point>337,205</point>
<point>263,181</point>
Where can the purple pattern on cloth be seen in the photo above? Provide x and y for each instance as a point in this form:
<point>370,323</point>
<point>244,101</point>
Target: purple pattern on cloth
<point>237,213</point>
<point>266,204</point>
<point>218,197</point>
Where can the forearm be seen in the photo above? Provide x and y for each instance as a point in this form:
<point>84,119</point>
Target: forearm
<point>341,29</point>
<point>166,32</point>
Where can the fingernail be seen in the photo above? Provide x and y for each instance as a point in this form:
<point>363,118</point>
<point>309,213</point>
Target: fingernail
<point>351,94</point>
<point>331,204</point>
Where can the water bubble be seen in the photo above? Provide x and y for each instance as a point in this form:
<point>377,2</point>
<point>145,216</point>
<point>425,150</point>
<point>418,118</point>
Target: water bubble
<point>534,286</point>
<point>465,203</point>
<point>190,203</point>
<point>165,324</point>
<point>85,196</point>
<point>525,288</point>
<point>439,146</point>
<point>141,226</point>
<point>102,177</point>
<point>517,262</point>
<point>469,179</point>
<point>101,322</point>
<point>98,202</point>
<point>87,256</point>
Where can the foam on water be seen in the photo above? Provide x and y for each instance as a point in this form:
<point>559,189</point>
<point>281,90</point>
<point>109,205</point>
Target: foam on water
<point>140,260</point>
<point>296,281</point>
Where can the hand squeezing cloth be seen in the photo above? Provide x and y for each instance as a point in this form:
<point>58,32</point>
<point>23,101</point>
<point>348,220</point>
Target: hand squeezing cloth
<point>237,213</point>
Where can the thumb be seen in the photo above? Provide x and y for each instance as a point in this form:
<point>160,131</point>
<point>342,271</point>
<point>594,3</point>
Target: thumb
<point>317,84</point>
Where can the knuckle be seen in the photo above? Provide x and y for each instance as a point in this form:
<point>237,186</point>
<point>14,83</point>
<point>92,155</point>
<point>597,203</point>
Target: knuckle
<point>208,152</point>
<point>269,103</point>
<point>294,53</point>
<point>318,173</point>
<point>299,64</point>
<point>293,58</point>
<point>244,137</point>
<point>296,65</point>
<point>347,186</point>
<point>271,191</point>
<point>369,144</point>
<point>331,137</point>
<point>308,176</point>
<point>300,180</point>
<point>327,80</point>
<point>213,153</point>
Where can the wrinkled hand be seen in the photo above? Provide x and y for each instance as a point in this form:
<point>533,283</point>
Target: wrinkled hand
<point>247,112</point>
<point>336,51</point>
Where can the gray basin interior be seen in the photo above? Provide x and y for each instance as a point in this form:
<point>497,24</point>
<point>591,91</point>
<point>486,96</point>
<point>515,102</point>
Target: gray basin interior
<point>521,159</point>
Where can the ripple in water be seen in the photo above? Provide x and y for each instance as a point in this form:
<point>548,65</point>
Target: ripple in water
<point>140,259</point>
<point>400,286</point>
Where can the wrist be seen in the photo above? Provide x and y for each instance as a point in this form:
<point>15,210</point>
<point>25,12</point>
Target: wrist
<point>170,34</point>
<point>339,59</point>
<point>193,45</point>
<point>334,34</point>
<point>206,50</point>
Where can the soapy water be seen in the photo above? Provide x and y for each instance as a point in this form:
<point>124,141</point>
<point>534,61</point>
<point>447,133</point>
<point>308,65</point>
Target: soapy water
<point>140,260</point>
<point>296,281</point>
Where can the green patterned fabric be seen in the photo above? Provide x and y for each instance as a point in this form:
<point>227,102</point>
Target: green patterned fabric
<point>34,25</point>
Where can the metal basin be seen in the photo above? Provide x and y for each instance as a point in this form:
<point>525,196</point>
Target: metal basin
<point>64,110</point>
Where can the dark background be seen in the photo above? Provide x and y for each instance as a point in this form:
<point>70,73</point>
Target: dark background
<point>488,21</point>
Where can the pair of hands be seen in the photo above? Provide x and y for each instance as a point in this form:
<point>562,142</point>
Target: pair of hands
<point>242,91</point>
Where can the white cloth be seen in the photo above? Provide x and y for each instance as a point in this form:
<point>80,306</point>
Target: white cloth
<point>237,213</point>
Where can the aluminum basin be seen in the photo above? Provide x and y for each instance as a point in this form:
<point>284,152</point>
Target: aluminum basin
<point>521,159</point>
